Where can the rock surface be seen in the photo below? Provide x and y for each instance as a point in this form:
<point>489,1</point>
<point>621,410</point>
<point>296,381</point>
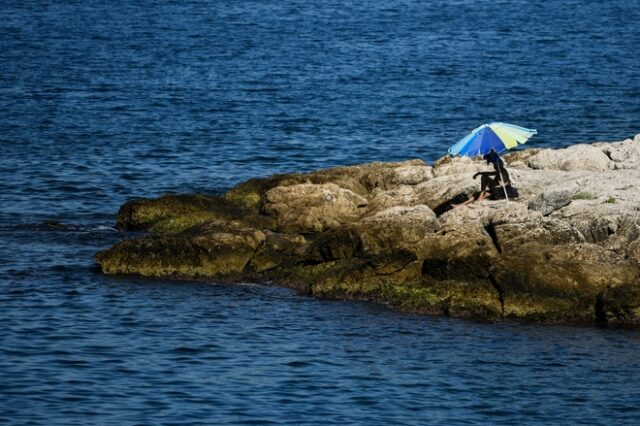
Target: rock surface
<point>566,250</point>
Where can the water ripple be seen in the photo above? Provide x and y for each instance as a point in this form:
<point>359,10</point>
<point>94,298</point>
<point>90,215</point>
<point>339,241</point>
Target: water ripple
<point>104,102</point>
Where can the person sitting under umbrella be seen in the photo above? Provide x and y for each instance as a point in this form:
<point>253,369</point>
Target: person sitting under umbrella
<point>493,185</point>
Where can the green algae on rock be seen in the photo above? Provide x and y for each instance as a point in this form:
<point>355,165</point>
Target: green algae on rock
<point>371,232</point>
<point>176,213</point>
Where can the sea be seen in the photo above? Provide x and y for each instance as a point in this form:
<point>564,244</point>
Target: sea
<point>102,102</point>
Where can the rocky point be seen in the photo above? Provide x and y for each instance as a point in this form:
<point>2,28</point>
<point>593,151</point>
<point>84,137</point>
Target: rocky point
<point>566,250</point>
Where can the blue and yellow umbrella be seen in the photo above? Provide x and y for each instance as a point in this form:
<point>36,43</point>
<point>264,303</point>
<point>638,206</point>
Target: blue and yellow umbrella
<point>493,136</point>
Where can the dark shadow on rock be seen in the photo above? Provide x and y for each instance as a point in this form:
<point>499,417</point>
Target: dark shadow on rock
<point>447,205</point>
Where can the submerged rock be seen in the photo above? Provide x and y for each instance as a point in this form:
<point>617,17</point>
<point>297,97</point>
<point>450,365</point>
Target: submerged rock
<point>566,250</point>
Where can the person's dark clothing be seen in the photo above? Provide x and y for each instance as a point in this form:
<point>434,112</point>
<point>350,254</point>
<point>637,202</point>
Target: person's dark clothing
<point>492,182</point>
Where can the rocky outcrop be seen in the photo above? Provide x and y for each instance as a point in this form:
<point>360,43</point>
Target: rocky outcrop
<point>203,251</point>
<point>312,208</point>
<point>577,157</point>
<point>554,198</point>
<point>566,250</point>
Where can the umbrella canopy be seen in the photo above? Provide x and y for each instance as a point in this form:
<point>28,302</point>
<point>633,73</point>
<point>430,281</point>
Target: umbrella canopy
<point>493,136</point>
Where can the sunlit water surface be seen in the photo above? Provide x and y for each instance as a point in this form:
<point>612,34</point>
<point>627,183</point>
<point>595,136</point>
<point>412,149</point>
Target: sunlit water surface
<point>105,101</point>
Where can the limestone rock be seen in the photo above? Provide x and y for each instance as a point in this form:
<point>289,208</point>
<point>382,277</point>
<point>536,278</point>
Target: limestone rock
<point>553,199</point>
<point>367,279</point>
<point>576,157</point>
<point>403,195</point>
<point>405,174</point>
<point>335,244</point>
<point>531,183</point>
<point>559,283</point>
<point>490,213</point>
<point>277,251</point>
<point>462,253</point>
<point>204,252</point>
<point>625,154</point>
<point>566,250</point>
<point>444,189</point>
<point>511,236</point>
<point>597,220</point>
<point>619,306</point>
<point>519,157</point>
<point>175,213</point>
<point>453,166</point>
<point>396,227</point>
<point>312,208</point>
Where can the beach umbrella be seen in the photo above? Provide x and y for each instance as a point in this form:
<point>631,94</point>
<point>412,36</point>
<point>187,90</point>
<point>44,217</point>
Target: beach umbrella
<point>495,137</point>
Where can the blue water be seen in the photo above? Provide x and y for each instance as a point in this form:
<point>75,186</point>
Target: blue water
<point>101,102</point>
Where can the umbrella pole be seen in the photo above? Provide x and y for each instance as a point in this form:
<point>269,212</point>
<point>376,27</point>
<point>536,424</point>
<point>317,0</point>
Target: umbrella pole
<point>506,197</point>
